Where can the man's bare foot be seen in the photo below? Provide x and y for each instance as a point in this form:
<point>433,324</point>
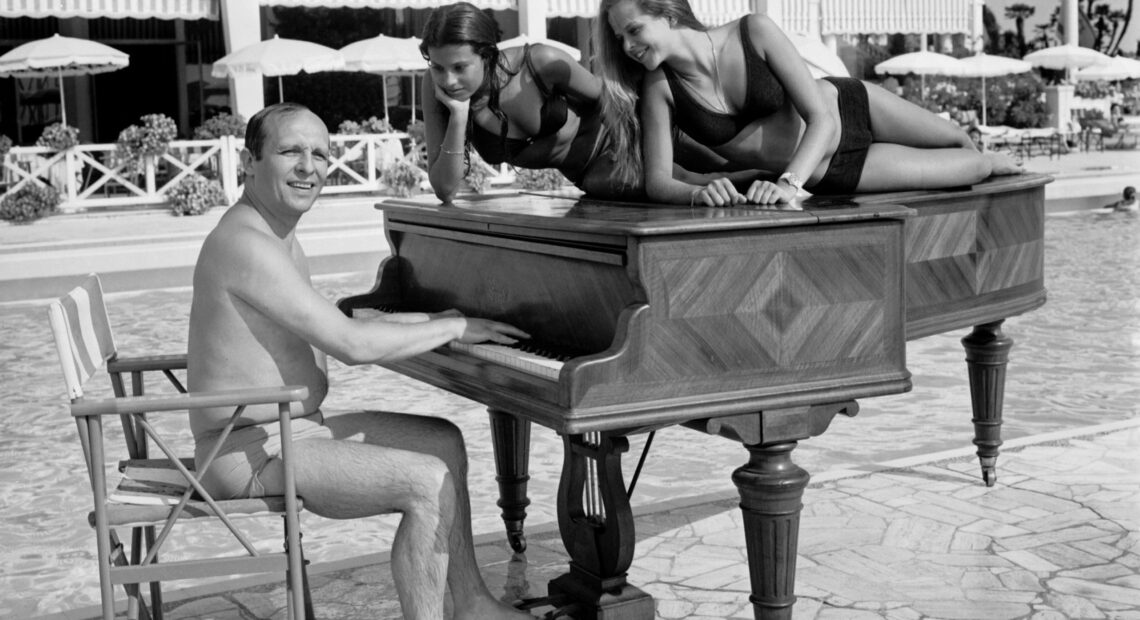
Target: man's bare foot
<point>1002,164</point>
<point>489,609</point>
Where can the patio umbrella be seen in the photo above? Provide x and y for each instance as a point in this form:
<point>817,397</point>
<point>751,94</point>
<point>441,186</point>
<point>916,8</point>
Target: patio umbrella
<point>277,57</point>
<point>1117,68</point>
<point>986,65</point>
<point>923,63</point>
<point>386,55</point>
<point>821,61</point>
<point>58,56</point>
<point>524,39</point>
<point>1065,57</point>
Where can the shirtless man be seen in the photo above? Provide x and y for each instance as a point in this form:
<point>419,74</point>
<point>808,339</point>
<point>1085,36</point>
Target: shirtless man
<point>256,320</point>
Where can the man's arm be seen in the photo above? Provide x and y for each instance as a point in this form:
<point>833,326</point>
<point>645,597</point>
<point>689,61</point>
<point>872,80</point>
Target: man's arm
<point>265,278</point>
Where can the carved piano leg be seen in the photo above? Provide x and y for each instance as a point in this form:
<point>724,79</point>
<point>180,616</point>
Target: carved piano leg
<point>510,437</point>
<point>987,353</point>
<point>596,523</point>
<point>771,498</point>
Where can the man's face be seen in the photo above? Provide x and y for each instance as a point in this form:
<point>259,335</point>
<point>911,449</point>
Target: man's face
<point>293,165</point>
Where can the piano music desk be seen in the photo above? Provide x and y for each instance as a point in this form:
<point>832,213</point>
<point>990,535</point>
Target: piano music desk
<point>758,325</point>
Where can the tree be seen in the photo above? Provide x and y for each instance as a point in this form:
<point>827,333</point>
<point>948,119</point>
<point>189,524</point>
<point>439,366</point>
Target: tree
<point>1019,13</point>
<point>1109,24</point>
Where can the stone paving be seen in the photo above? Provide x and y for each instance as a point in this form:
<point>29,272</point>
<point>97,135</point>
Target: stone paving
<point>1057,537</point>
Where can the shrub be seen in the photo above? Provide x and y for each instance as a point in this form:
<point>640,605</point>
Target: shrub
<point>194,195</point>
<point>59,137</point>
<point>477,173</point>
<point>372,125</point>
<point>545,178</point>
<point>224,124</point>
<point>28,204</point>
<point>136,143</point>
<point>402,178</point>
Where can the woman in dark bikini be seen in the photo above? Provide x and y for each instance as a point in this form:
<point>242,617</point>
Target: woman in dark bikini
<point>532,107</point>
<point>742,90</point>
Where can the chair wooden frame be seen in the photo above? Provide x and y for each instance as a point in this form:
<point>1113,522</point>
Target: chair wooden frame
<point>85,344</point>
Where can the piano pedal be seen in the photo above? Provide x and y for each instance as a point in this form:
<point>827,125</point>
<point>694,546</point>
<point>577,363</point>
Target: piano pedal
<point>560,602</point>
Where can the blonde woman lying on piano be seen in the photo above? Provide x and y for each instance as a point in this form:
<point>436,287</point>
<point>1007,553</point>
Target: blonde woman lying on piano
<point>256,320</point>
<point>743,90</point>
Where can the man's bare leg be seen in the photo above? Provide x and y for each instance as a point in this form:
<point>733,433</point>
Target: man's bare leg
<point>380,462</point>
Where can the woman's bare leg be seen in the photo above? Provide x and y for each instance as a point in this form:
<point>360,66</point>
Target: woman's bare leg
<point>898,121</point>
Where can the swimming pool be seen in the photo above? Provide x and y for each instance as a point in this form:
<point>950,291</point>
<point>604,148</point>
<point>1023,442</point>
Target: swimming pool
<point>1076,362</point>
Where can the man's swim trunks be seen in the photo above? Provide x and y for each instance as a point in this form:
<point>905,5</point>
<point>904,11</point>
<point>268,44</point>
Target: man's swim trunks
<point>236,471</point>
<point>855,138</point>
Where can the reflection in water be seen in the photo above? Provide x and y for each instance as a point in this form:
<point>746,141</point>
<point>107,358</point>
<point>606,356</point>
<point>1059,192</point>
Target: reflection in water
<point>1075,362</point>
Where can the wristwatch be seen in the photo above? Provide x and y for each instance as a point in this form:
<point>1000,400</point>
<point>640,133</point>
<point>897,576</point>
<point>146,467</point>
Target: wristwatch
<point>793,179</point>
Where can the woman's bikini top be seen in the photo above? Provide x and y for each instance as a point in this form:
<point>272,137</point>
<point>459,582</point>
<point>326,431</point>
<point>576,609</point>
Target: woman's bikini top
<point>498,148</point>
<point>764,96</point>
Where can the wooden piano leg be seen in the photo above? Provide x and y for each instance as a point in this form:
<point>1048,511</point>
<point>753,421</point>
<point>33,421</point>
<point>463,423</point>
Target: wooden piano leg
<point>596,523</point>
<point>771,498</point>
<point>510,437</point>
<point>987,353</point>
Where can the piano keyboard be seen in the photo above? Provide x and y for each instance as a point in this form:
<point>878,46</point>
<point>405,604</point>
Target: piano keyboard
<point>509,356</point>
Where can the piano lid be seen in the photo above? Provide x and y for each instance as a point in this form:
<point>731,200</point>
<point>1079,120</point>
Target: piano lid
<point>556,211</point>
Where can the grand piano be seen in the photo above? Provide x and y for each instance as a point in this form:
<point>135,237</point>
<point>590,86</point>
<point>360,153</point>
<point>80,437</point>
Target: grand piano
<point>758,325</point>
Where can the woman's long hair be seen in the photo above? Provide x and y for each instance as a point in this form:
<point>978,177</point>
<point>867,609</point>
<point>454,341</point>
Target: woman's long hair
<point>463,23</point>
<point>622,78</point>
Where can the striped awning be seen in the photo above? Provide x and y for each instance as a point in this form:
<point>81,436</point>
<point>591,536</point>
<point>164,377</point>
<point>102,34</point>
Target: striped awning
<point>115,9</point>
<point>710,12</point>
<point>496,5</point>
<point>896,16</point>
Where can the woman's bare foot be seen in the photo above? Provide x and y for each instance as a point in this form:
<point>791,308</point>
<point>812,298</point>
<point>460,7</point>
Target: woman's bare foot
<point>1002,164</point>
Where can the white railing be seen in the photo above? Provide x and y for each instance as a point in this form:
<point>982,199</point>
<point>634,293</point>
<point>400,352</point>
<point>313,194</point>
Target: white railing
<point>90,176</point>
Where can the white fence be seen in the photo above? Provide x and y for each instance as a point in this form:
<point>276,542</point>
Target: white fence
<point>91,177</point>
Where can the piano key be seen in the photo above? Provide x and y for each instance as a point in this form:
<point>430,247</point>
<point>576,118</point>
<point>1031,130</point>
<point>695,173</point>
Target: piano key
<point>530,362</point>
<point>512,357</point>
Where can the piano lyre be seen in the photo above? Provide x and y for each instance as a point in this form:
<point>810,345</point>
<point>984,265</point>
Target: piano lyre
<point>757,325</point>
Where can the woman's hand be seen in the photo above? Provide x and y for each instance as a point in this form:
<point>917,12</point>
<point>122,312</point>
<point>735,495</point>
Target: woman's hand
<point>768,193</point>
<point>718,193</point>
<point>452,104</point>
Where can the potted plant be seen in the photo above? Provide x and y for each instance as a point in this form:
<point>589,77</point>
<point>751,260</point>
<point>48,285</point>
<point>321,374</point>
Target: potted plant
<point>28,204</point>
<point>138,144</point>
<point>194,195</point>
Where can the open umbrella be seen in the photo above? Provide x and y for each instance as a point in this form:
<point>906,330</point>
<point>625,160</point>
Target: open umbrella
<point>821,61</point>
<point>524,39</point>
<point>923,63</point>
<point>386,56</point>
<point>986,65</point>
<point>1065,57</point>
<point>60,57</point>
<point>1117,68</point>
<point>277,57</point>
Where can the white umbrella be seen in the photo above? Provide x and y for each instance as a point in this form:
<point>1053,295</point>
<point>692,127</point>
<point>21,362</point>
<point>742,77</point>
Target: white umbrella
<point>986,65</point>
<point>58,56</point>
<point>387,56</point>
<point>1065,57</point>
<point>1117,68</point>
<point>277,57</point>
<point>923,63</point>
<point>821,61</point>
<point>524,39</point>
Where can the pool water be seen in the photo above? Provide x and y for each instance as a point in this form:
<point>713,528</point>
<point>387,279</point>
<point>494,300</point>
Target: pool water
<point>1075,362</point>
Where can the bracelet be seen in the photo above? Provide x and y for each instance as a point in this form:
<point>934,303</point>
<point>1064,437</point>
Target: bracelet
<point>443,150</point>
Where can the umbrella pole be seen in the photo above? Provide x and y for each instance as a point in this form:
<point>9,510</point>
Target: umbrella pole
<point>984,101</point>
<point>384,90</point>
<point>413,97</point>
<point>62,102</point>
<point>280,91</point>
